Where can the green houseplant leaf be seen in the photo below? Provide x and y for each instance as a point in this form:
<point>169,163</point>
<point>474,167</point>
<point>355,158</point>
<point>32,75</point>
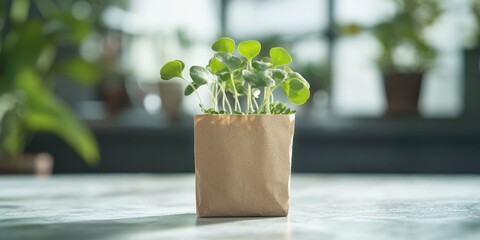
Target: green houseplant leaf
<point>230,61</point>
<point>299,77</point>
<point>190,89</point>
<point>200,75</point>
<point>44,112</point>
<point>280,57</point>
<point>30,65</point>
<point>258,79</point>
<point>172,69</point>
<point>260,66</point>
<point>224,44</point>
<point>216,66</point>
<point>279,74</point>
<point>249,49</point>
<point>296,91</point>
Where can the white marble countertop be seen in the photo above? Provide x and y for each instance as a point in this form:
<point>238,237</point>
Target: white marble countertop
<point>163,207</point>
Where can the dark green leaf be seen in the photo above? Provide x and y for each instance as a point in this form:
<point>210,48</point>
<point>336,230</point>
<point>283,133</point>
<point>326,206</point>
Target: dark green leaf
<point>190,89</point>
<point>249,76</point>
<point>224,77</point>
<point>278,74</point>
<point>260,66</point>
<point>13,133</point>
<point>279,108</point>
<point>258,79</point>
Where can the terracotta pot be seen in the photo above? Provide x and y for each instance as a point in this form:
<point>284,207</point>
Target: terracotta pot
<point>113,93</point>
<point>402,92</point>
<point>40,164</point>
<point>171,95</point>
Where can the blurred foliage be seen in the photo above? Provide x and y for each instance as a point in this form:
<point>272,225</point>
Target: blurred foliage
<point>34,45</point>
<point>402,36</point>
<point>475,6</point>
<point>405,32</point>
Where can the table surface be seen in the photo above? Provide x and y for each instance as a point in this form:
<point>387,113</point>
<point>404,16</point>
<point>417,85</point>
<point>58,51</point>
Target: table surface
<point>163,207</point>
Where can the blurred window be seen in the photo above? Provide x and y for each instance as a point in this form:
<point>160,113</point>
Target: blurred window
<point>358,86</point>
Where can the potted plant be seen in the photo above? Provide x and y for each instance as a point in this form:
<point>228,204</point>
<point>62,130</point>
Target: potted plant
<point>406,55</point>
<point>30,62</point>
<point>243,153</point>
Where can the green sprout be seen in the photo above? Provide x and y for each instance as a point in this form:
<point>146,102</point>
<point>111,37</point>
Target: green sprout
<point>244,78</point>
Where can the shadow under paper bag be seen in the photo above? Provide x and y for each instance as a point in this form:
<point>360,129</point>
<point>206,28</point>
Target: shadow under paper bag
<point>243,164</point>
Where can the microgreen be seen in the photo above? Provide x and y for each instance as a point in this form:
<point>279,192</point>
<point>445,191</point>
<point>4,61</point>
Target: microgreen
<point>244,78</point>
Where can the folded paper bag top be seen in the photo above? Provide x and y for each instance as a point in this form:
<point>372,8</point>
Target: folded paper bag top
<point>243,164</point>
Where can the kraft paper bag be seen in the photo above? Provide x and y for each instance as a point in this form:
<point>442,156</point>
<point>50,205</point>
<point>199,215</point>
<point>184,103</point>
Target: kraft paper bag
<point>243,164</point>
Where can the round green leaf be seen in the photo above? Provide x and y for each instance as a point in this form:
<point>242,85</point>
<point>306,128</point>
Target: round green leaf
<point>172,69</point>
<point>296,92</point>
<point>299,78</point>
<point>249,49</point>
<point>200,75</point>
<point>280,56</point>
<point>216,66</point>
<point>224,44</point>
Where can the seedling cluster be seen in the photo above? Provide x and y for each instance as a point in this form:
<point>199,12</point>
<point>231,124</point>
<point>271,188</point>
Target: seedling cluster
<point>246,79</point>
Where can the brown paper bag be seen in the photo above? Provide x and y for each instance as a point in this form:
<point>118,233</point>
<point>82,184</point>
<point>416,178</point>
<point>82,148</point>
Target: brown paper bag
<point>243,164</point>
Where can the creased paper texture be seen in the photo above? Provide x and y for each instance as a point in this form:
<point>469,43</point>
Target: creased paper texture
<point>243,164</point>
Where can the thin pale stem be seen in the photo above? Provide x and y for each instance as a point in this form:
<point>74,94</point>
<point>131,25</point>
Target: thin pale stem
<point>266,97</point>
<point>235,95</point>
<point>216,97</point>
<point>256,104</point>
<point>249,98</point>
<point>225,100</point>
<point>196,92</point>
